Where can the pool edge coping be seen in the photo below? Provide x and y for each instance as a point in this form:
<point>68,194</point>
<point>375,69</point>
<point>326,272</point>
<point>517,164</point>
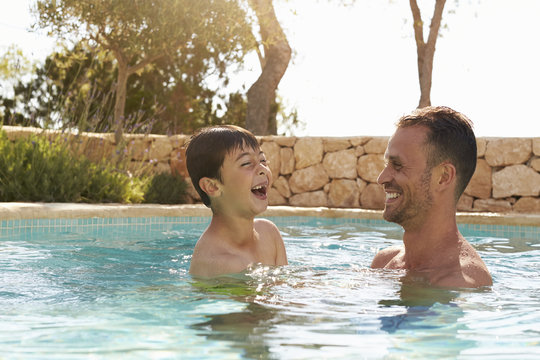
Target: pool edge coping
<point>18,210</point>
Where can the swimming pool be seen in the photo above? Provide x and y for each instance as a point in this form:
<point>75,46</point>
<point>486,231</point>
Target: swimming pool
<point>107,288</point>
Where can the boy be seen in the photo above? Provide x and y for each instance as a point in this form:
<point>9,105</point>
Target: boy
<point>230,173</point>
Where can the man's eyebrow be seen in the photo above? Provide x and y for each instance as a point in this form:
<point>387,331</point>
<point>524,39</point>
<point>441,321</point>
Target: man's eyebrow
<point>394,158</point>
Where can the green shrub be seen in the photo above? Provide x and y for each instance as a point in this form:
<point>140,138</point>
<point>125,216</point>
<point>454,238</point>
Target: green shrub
<point>41,169</point>
<point>166,188</point>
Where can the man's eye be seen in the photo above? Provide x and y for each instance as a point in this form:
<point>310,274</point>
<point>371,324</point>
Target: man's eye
<point>248,163</point>
<point>264,161</point>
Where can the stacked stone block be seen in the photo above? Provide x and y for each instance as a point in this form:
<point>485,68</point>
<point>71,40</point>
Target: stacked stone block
<point>338,172</point>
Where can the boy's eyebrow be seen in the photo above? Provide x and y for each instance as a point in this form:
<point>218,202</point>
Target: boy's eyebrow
<point>241,155</point>
<point>245,153</point>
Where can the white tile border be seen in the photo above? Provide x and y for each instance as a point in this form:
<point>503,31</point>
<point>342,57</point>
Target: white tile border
<point>16,211</point>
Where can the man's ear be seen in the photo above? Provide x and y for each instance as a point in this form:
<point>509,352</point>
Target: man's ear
<point>210,186</point>
<point>446,174</point>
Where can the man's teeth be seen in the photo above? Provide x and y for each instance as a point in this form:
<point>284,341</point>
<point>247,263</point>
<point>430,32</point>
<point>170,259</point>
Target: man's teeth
<point>392,195</point>
<point>258,187</point>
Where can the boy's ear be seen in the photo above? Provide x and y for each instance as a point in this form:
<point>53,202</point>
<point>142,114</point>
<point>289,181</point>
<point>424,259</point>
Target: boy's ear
<point>210,186</point>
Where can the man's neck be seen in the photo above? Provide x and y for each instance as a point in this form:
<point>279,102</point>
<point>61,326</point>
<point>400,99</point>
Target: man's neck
<point>432,243</point>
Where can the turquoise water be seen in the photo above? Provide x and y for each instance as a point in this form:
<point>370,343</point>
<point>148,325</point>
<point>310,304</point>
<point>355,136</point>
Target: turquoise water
<point>107,291</point>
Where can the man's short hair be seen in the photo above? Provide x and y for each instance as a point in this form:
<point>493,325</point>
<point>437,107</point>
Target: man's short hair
<point>450,138</point>
<point>207,148</point>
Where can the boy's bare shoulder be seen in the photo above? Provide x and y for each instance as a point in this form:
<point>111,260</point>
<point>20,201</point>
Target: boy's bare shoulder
<point>384,256</point>
<point>267,229</point>
<point>265,225</point>
<point>206,266</point>
<point>210,259</point>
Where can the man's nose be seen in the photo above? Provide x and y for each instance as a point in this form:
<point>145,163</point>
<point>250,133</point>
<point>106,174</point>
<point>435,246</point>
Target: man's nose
<point>384,176</point>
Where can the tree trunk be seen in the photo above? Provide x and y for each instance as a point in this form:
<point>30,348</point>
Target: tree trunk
<point>124,71</point>
<point>426,51</point>
<point>277,53</point>
<point>120,101</point>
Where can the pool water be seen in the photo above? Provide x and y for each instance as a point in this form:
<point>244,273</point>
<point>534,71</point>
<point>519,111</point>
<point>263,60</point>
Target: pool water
<point>123,292</point>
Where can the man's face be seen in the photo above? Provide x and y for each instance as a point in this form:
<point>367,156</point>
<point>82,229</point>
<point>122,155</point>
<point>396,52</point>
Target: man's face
<point>405,178</point>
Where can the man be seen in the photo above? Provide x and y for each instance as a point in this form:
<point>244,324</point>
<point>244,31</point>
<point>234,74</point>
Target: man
<point>429,161</point>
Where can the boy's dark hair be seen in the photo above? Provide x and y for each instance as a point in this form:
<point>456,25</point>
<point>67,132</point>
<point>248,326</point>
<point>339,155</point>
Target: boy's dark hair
<point>450,138</point>
<point>207,148</point>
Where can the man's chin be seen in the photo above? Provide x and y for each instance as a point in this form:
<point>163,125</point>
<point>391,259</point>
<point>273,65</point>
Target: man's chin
<point>391,216</point>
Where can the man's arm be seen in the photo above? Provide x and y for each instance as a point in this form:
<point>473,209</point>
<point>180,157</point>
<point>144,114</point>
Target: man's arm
<point>383,257</point>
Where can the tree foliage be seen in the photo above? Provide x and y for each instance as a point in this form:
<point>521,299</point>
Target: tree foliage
<point>74,88</point>
<point>138,33</point>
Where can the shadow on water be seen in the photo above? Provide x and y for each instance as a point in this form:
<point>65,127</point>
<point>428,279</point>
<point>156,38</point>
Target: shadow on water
<point>425,321</point>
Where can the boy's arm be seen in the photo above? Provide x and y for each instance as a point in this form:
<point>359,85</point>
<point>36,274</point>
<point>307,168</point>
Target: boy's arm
<point>207,261</point>
<point>215,266</point>
<point>273,233</point>
<point>281,253</point>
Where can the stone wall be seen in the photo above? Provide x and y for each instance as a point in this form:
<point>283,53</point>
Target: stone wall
<point>342,172</point>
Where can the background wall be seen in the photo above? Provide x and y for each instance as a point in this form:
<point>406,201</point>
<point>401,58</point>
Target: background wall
<point>340,172</point>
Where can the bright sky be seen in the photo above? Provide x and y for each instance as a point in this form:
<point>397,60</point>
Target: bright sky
<point>354,71</point>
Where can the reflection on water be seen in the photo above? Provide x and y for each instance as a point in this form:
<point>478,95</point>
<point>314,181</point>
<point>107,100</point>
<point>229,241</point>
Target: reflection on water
<point>427,321</point>
<point>68,297</point>
<point>243,329</point>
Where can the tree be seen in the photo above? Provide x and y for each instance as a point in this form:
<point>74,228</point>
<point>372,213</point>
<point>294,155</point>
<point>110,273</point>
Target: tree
<point>274,59</point>
<point>140,32</point>
<point>72,89</point>
<point>13,64</point>
<point>426,50</point>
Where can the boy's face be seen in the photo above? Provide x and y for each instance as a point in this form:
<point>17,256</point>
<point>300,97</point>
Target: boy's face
<point>246,180</point>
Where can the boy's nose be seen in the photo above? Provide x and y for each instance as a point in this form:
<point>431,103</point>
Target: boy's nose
<point>264,169</point>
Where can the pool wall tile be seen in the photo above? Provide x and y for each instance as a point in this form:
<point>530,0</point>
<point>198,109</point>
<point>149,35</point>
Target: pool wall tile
<point>12,228</point>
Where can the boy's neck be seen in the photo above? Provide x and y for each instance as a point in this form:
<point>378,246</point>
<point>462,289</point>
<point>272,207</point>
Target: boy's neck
<point>235,229</point>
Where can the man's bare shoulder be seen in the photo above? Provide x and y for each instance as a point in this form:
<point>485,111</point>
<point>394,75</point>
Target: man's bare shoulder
<point>385,256</point>
<point>471,272</point>
<point>470,277</point>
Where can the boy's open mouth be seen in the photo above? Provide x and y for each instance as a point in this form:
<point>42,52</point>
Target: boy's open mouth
<point>259,191</point>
